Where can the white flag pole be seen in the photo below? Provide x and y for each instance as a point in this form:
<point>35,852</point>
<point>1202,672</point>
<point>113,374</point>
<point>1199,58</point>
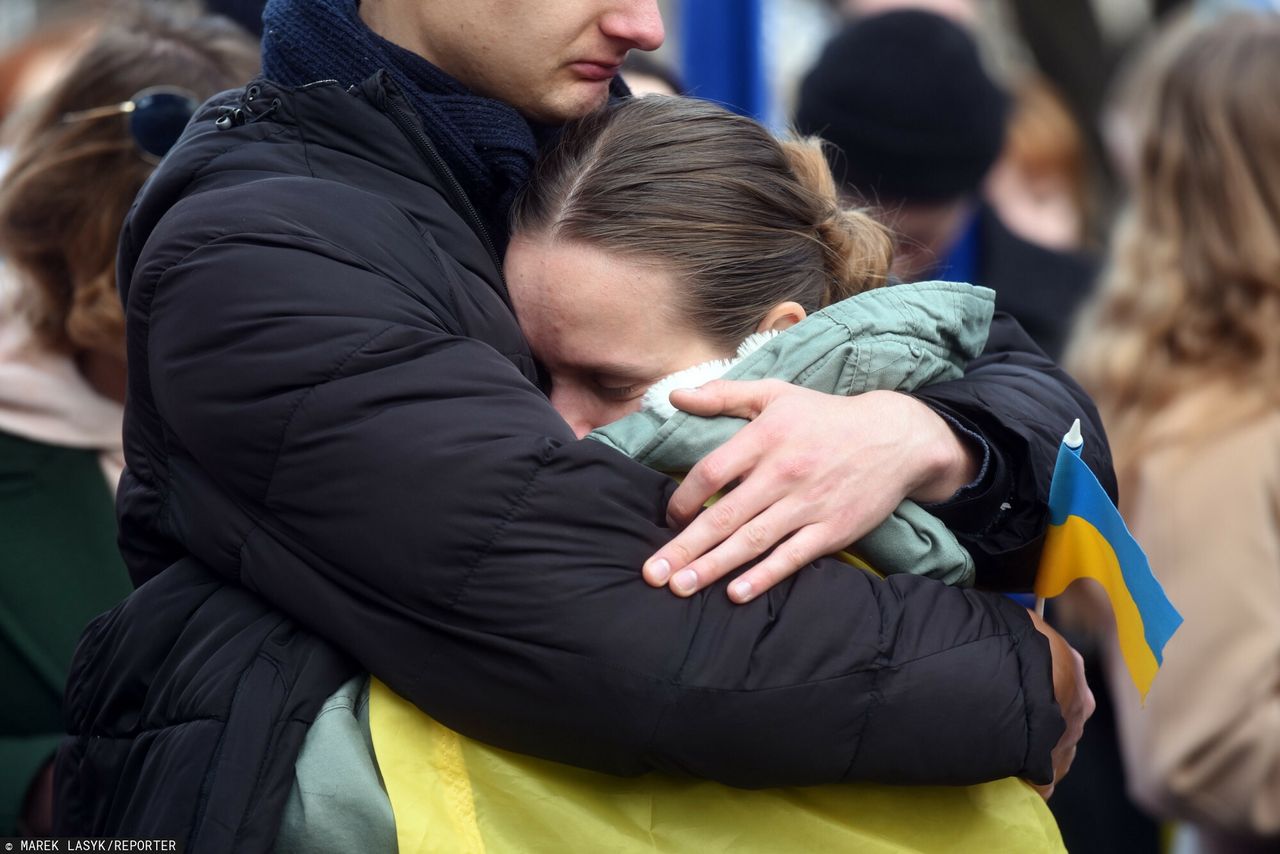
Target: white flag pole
<point>1073,440</point>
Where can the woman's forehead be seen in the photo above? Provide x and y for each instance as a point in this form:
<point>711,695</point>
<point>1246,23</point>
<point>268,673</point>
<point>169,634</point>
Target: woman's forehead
<point>583,304</point>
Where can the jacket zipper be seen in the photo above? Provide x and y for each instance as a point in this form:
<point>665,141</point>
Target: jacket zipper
<point>427,147</point>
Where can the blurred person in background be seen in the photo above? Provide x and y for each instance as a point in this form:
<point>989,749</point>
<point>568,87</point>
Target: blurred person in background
<point>77,164</point>
<point>645,75</point>
<point>1181,349</point>
<point>916,124</point>
<point>966,12</point>
<point>1124,113</point>
<point>34,64</point>
<point>1040,185</point>
<point>246,13</point>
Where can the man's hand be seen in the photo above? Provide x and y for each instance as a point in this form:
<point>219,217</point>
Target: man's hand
<point>1074,697</point>
<point>817,473</point>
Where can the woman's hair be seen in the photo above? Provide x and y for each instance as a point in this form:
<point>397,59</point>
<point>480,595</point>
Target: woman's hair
<point>1131,94</point>
<point>744,221</point>
<point>1192,295</point>
<point>70,184</point>
<point>27,66</point>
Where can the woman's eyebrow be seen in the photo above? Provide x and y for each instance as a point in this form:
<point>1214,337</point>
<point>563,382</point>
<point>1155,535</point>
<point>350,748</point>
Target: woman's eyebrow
<point>621,370</point>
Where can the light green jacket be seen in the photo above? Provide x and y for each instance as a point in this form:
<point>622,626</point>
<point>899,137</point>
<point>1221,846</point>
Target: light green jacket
<point>900,338</point>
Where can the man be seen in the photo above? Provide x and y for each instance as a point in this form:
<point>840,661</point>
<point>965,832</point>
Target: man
<point>339,460</point>
<point>915,124</point>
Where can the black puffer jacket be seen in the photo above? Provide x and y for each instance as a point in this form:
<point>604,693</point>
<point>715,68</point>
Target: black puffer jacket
<point>336,441</point>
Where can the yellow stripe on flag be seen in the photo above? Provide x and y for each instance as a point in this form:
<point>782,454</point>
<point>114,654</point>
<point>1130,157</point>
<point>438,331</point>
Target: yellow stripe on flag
<point>453,795</point>
<point>1076,549</point>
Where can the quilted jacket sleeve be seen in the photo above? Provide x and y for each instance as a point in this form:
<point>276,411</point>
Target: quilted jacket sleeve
<point>1021,404</point>
<point>335,444</point>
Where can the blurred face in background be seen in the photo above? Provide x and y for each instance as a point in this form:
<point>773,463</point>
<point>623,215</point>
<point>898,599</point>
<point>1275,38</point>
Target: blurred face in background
<point>1039,207</point>
<point>552,61</point>
<point>1039,186</point>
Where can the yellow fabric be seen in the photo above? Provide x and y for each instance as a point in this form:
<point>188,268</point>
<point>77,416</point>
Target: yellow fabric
<point>855,561</point>
<point>452,795</point>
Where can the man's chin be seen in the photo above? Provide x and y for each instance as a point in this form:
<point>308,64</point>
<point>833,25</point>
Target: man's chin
<point>585,98</point>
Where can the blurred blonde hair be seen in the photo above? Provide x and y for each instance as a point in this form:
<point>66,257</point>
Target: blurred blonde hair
<point>1191,301</point>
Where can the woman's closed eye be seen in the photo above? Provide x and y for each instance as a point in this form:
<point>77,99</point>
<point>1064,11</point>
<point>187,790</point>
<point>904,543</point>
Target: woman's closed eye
<point>610,389</point>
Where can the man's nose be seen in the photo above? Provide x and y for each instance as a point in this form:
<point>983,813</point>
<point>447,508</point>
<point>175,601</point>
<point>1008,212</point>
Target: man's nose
<point>636,21</point>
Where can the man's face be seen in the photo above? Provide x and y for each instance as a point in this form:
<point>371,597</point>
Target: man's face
<point>551,61</point>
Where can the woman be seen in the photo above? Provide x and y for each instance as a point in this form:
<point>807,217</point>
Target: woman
<point>1181,350</point>
<point>76,166</point>
<point>670,237</point>
<point>659,237</point>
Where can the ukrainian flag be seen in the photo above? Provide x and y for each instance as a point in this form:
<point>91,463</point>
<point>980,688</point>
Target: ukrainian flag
<point>1087,538</point>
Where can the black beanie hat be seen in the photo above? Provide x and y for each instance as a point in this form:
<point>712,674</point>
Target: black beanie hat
<point>906,103</point>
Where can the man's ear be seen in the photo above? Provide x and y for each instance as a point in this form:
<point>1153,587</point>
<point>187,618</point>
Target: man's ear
<point>782,316</point>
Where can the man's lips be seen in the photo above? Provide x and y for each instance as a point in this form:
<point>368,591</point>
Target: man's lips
<point>596,71</point>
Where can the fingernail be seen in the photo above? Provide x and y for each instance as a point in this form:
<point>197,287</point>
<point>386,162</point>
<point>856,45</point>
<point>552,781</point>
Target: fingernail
<point>686,581</point>
<point>694,390</point>
<point>742,591</point>
<point>660,571</point>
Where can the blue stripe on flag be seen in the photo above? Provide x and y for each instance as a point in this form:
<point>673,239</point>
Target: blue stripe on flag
<point>1076,492</point>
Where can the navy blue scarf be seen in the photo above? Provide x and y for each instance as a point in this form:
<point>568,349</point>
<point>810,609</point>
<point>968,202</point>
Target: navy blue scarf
<point>487,144</point>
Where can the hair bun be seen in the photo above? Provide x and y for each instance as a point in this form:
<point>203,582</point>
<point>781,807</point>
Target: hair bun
<point>859,249</point>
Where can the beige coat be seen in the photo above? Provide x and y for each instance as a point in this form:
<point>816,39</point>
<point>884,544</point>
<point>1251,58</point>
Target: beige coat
<point>1206,748</point>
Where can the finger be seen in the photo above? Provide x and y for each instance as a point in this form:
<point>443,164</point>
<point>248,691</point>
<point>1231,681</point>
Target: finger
<point>1062,765</point>
<point>714,472</point>
<point>1088,704</point>
<point>800,549</point>
<point>712,527</point>
<point>744,545</point>
<point>740,399</point>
